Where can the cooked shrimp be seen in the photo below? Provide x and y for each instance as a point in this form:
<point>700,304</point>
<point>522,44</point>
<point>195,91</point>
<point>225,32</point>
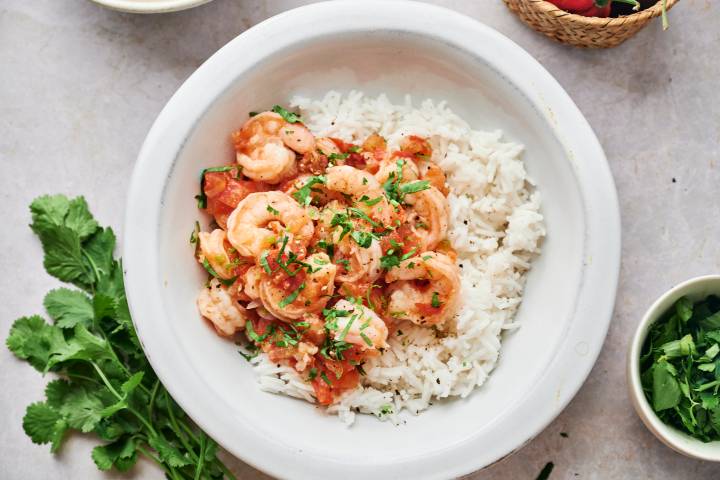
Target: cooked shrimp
<point>297,137</point>
<point>251,280</point>
<point>266,146</point>
<point>358,263</point>
<point>431,172</point>
<point>225,314</point>
<point>310,296</point>
<point>424,289</point>
<point>362,187</point>
<point>360,326</point>
<point>428,215</point>
<point>247,224</point>
<point>212,249</point>
<point>389,169</point>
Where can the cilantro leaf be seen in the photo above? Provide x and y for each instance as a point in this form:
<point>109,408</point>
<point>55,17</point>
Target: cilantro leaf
<point>107,385</point>
<point>289,116</point>
<point>68,307</point>
<point>43,424</point>
<point>121,454</point>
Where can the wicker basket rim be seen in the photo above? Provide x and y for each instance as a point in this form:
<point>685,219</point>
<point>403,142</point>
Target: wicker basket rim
<point>641,16</point>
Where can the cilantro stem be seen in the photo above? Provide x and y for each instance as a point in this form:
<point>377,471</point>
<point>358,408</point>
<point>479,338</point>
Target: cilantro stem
<point>152,457</point>
<point>120,397</point>
<point>201,460</point>
<point>151,403</point>
<point>176,429</point>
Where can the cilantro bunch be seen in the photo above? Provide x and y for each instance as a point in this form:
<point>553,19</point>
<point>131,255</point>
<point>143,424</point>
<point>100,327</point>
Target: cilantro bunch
<point>680,367</point>
<point>105,384</point>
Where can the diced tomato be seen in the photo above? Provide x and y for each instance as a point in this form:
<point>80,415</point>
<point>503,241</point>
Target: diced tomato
<point>224,192</point>
<point>323,393</point>
<point>427,309</point>
<point>416,146</point>
<point>336,376</point>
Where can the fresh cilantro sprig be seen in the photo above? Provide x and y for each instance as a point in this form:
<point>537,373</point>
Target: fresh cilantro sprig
<point>105,384</point>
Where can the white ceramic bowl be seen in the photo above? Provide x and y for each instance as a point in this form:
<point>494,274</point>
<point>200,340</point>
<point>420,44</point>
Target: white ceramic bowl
<point>150,6</point>
<point>398,48</point>
<point>696,289</point>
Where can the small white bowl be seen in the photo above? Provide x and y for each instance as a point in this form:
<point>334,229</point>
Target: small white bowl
<point>150,6</point>
<point>695,289</point>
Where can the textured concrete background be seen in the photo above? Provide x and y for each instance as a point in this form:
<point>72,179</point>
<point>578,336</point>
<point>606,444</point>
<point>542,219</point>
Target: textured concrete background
<point>81,85</point>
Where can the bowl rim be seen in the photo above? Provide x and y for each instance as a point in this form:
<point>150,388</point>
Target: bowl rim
<point>640,403</point>
<point>156,6</point>
<point>600,270</point>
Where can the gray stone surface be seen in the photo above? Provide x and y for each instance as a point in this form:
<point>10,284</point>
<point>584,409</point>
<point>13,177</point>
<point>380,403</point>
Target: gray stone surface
<point>81,85</point>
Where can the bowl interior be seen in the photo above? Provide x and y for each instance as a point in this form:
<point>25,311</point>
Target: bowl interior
<point>695,289</point>
<point>397,64</point>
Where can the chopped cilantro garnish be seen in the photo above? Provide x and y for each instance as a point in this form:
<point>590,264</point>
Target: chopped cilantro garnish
<point>366,339</point>
<point>356,212</point>
<point>364,239</point>
<point>293,295</point>
<point>272,210</point>
<point>303,194</point>
<point>345,330</point>
<point>194,233</point>
<point>288,116</point>
<point>329,247</point>
<point>435,302</point>
<point>414,187</point>
<point>313,373</point>
<point>252,334</point>
<point>264,262</point>
<point>354,149</point>
<point>252,114</point>
<point>338,156</point>
<point>426,257</point>
<point>386,410</point>
<point>408,254</point>
<point>225,281</point>
<point>325,378</point>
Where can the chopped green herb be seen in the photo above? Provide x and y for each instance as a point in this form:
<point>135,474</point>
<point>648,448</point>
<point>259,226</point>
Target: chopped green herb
<point>414,187</point>
<point>291,298</point>
<point>366,339</point>
<point>354,149</point>
<point>303,194</point>
<point>225,281</point>
<point>264,262</point>
<point>680,368</point>
<point>435,302</point>
<point>338,156</point>
<point>289,116</point>
<point>364,239</point>
<point>253,114</point>
<point>386,410</point>
<point>409,254</point>
<point>252,334</point>
<point>272,210</point>
<point>194,235</point>
<point>325,378</point>
<point>313,373</point>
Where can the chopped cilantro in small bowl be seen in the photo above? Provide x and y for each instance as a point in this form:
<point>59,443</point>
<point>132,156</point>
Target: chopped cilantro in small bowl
<point>674,368</point>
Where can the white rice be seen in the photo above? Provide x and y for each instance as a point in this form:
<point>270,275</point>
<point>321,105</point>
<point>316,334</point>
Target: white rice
<point>496,229</point>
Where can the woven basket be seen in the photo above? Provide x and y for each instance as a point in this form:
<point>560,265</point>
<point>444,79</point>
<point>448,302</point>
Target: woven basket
<point>582,31</point>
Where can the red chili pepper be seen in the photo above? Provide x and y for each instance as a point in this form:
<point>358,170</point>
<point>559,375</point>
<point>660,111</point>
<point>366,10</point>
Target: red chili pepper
<point>591,8</point>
